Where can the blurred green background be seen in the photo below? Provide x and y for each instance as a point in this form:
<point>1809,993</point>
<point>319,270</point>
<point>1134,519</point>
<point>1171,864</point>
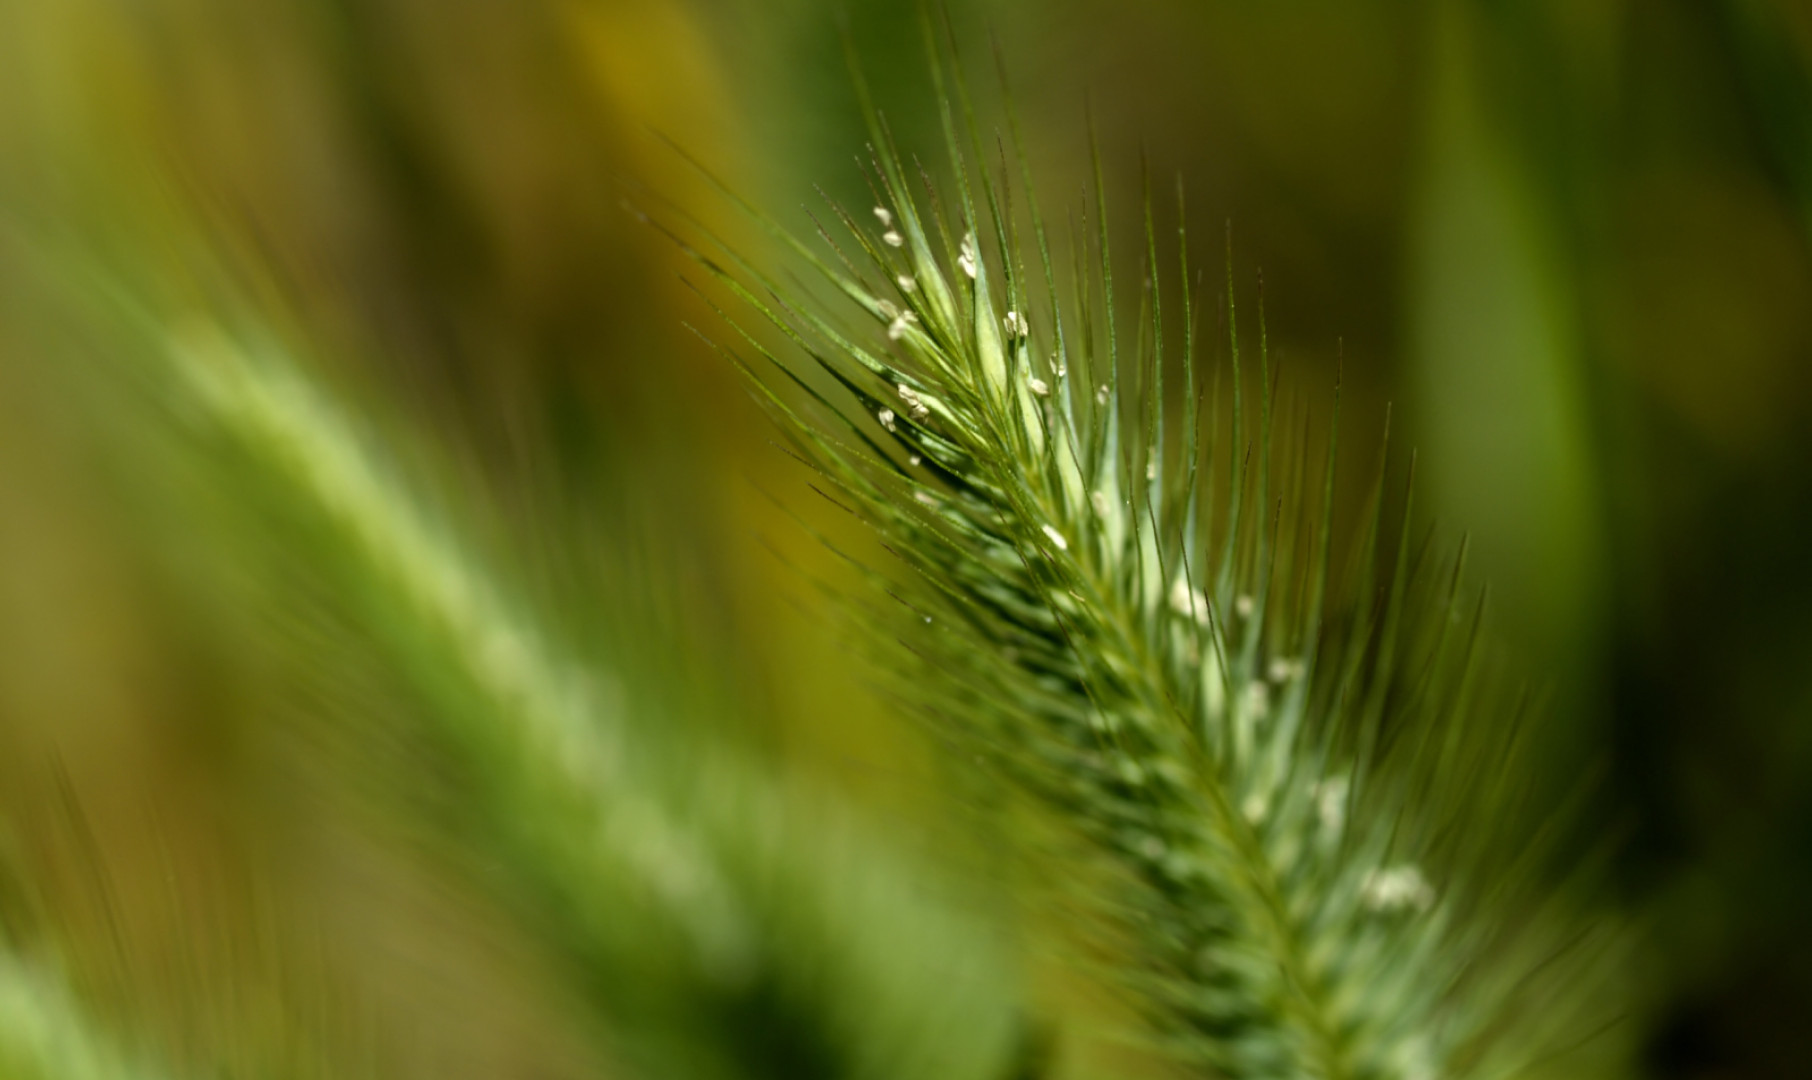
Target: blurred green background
<point>1571,240</point>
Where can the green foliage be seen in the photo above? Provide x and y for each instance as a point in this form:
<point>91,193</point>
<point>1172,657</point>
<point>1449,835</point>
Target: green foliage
<point>1121,596</point>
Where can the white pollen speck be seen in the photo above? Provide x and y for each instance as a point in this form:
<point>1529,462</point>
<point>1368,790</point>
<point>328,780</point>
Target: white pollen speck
<point>906,282</point>
<point>885,416</point>
<point>1396,888</point>
<point>1101,395</point>
<point>885,216</point>
<point>1057,538</point>
<point>893,238</point>
<point>915,459</point>
<point>1244,606</point>
<point>1015,324</point>
<point>1039,386</point>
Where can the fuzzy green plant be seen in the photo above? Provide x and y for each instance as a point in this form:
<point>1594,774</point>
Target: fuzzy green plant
<point>711,919</point>
<point>1110,575</point>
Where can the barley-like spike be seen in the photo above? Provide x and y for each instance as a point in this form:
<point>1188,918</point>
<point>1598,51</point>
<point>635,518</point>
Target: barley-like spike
<point>1290,768</point>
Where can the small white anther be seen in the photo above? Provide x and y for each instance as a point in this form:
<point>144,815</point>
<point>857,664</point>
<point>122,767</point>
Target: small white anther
<point>915,459</point>
<point>1062,370</point>
<point>914,404</point>
<point>885,416</point>
<point>1282,669</point>
<point>1016,325</point>
<point>1057,538</point>
<point>967,260</point>
<point>1243,606</point>
<point>897,328</point>
<point>1102,506</point>
<point>1151,466</point>
<point>885,216</point>
<point>1039,386</point>
<point>893,239</point>
<point>887,309</point>
<point>1101,396</point>
<point>906,282</point>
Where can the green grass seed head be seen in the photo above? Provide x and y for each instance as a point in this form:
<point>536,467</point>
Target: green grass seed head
<point>1119,597</point>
